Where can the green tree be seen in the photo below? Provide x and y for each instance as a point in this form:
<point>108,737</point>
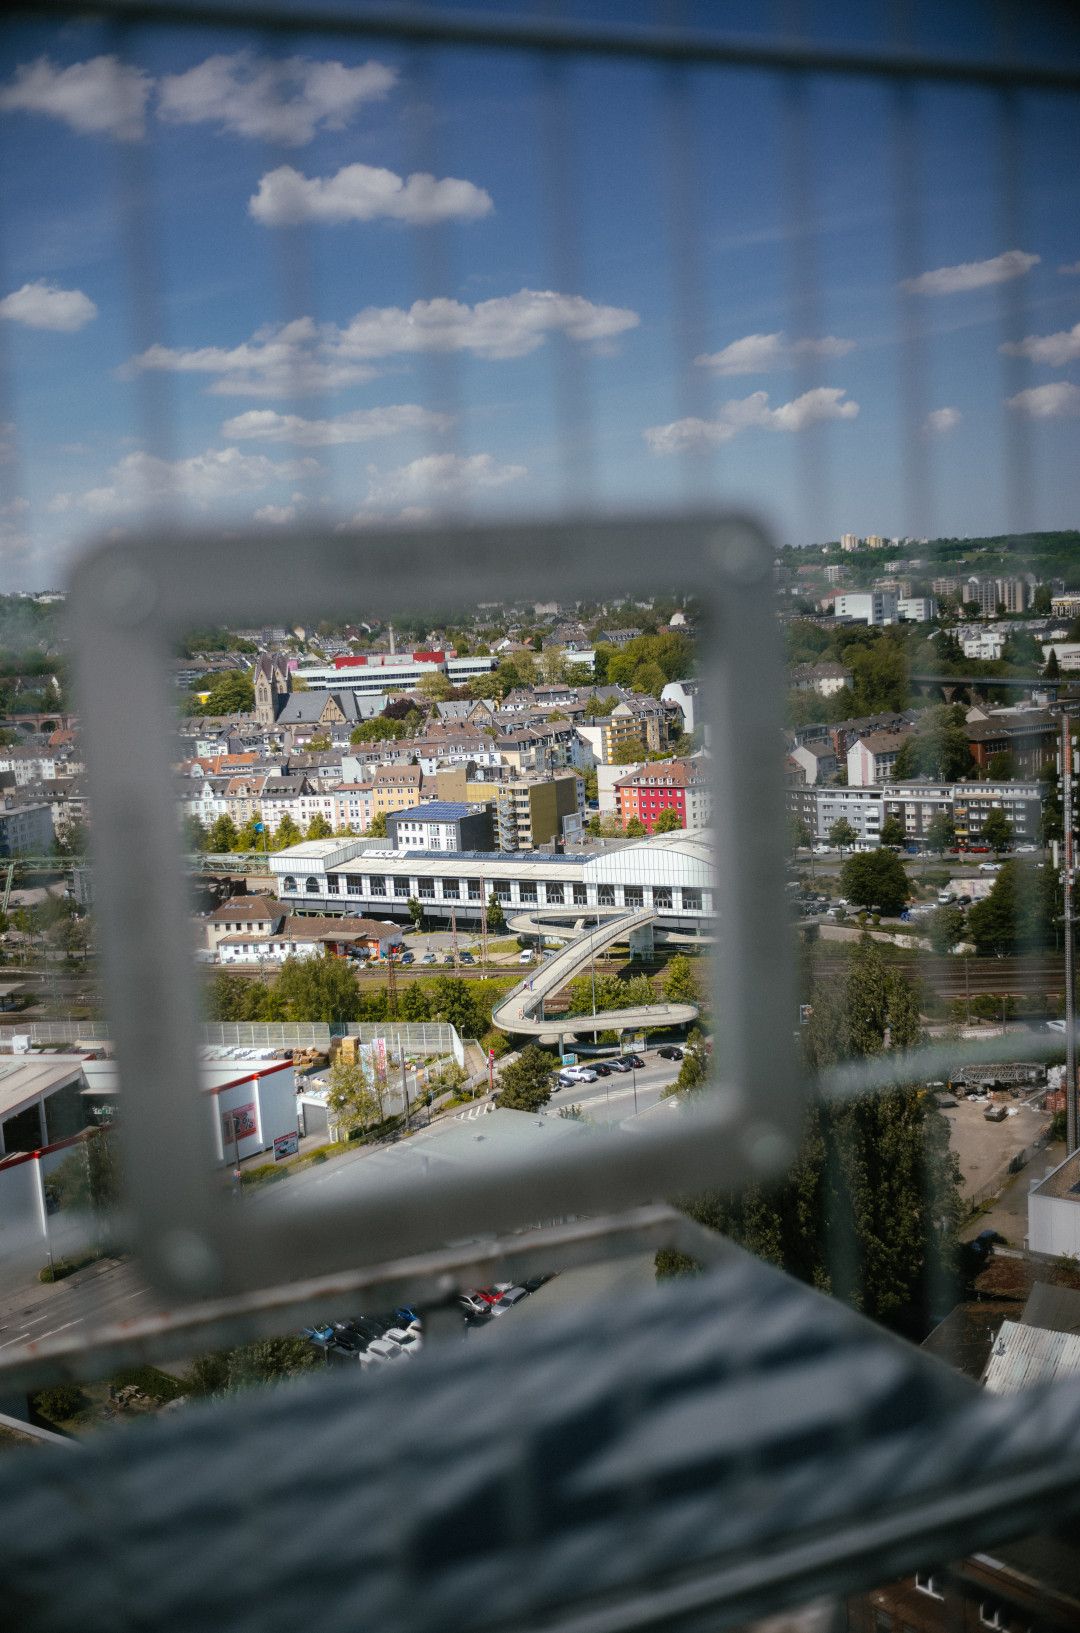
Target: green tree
<point>892,831</point>
<point>1020,914</point>
<point>287,834</point>
<point>876,879</point>
<point>320,743</point>
<point>945,927</point>
<point>1001,766</point>
<point>525,1084</point>
<point>496,918</point>
<point>230,693</point>
<point>353,1102</point>
<point>378,730</point>
<point>1052,670</point>
<point>318,989</point>
<point>437,687</point>
<point>997,831</point>
<point>319,828</point>
<point>196,837</point>
<point>222,835</point>
<point>680,983</point>
<point>669,821</point>
<point>842,835</point>
<point>629,752</point>
<point>940,833</point>
<point>377,828</point>
<point>635,828</point>
<point>416,912</point>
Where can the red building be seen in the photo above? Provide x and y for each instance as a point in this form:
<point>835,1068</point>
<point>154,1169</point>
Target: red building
<point>664,785</point>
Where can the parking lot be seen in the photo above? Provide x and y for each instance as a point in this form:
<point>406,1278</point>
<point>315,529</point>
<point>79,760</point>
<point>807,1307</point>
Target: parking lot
<point>985,1149</point>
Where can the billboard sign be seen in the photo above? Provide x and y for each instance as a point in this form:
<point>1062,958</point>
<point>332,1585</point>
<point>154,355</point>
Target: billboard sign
<point>239,1123</point>
<point>286,1145</point>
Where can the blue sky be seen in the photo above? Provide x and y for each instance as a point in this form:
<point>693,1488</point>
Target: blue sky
<point>370,296</point>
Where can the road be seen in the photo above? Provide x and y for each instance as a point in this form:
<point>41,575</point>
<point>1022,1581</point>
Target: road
<point>107,1291</point>
<point>613,1099</point>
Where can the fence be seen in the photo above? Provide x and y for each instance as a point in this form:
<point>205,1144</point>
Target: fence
<point>415,1037</point>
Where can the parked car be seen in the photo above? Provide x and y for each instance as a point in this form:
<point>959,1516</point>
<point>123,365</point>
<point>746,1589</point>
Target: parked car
<point>448,958</point>
<point>322,1331</point>
<point>467,958</point>
<point>407,1341</point>
<point>563,1080</point>
<point>619,1065</point>
<point>670,1051</point>
<point>430,958</point>
<point>580,1074</point>
<point>408,958</point>
<point>534,1283</point>
<point>473,1305</point>
<point>525,956</point>
<point>512,1296</point>
<point>634,1060</point>
<point>384,1349</point>
<point>601,1068</point>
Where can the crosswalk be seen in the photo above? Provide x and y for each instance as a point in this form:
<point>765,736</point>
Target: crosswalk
<point>473,1112</point>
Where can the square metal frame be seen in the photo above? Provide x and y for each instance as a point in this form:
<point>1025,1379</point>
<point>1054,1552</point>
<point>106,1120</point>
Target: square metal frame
<point>131,600</point>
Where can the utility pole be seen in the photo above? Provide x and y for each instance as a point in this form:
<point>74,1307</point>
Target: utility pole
<point>1068,743</point>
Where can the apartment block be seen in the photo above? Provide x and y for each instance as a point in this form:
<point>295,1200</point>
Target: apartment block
<point>531,809</point>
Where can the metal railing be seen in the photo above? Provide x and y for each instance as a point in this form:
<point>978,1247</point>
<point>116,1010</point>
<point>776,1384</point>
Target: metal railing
<point>709,1452</point>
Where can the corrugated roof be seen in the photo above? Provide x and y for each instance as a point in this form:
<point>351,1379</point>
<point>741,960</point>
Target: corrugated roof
<point>1023,1356</point>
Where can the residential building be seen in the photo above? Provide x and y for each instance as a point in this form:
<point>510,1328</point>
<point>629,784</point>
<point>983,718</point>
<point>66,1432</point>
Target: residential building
<point>681,786</point>
<point>531,808</point>
<point>876,541</point>
<point>250,915</point>
<point>816,762</point>
<point>354,806</point>
<point>1066,605</point>
<point>981,592</point>
<point>1068,654</point>
<point>310,936</point>
<point>948,589</point>
<point>25,830</point>
<point>396,788</point>
<point>638,719</point>
<point>824,678</point>
<point>684,695</point>
<point>1014,594</point>
<point>849,541</point>
<point>860,807</point>
<point>872,607</point>
<point>617,637</point>
<point>870,758</point>
<point>442,825</point>
<point>967,805</point>
<point>984,641</point>
<point>1028,735</point>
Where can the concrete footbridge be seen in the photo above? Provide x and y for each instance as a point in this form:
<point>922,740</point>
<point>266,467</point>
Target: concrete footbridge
<point>522,1009</point>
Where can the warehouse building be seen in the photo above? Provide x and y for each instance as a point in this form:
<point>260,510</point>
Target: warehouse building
<point>671,873</point>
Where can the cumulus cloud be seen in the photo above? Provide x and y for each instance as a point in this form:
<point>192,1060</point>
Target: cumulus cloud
<point>43,305</point>
<point>1051,402</point>
<point>438,479</point>
<point>286,102</point>
<point>363,425</point>
<point>761,354</point>
<point>752,413</point>
<point>1071,270</point>
<point>280,360</point>
<point>142,480</point>
<point>302,357</point>
<point>940,420</point>
<point>506,326</point>
<point>278,515</point>
<point>1056,349</point>
<point>101,97</point>
<point>362,192</point>
<point>955,280</point>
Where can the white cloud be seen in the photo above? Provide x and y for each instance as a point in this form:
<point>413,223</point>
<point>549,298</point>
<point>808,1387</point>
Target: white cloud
<point>279,515</point>
<point>285,102</point>
<point>302,357</point>
<point>760,354</point>
<point>1056,349</point>
<point>143,480</point>
<point>1049,402</point>
<point>280,360</point>
<point>364,425</point>
<point>15,507</point>
<point>42,305</point>
<point>362,192</point>
<point>445,478</point>
<point>954,280</point>
<point>940,420</point>
<point>102,97</point>
<point>752,413</point>
<point>1071,270</point>
<point>506,326</point>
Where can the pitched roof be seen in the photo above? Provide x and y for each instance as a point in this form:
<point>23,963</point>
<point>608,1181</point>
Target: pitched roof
<point>248,907</point>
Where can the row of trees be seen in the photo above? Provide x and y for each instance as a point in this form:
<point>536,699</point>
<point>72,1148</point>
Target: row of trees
<point>224,834</point>
<point>325,989</point>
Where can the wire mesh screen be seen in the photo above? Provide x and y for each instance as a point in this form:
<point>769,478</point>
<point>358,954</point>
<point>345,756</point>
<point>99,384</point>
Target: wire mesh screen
<point>502,322</point>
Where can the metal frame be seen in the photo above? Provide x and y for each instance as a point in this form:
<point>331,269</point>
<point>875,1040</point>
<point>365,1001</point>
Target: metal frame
<point>129,602</point>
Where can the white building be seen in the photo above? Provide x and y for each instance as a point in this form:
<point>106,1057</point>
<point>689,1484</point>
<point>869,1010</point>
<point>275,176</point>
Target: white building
<point>870,759</point>
<point>1068,654</point>
<point>983,641</point>
<point>671,873</point>
<point>1054,1211</point>
<point>860,807</point>
<point>873,607</point>
<point>849,541</point>
<point>917,609</point>
<point>375,672</point>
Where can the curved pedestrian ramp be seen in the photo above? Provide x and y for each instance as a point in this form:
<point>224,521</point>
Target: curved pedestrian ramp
<point>521,1011</point>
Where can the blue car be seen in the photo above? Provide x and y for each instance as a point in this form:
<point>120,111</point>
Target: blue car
<point>322,1332</point>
